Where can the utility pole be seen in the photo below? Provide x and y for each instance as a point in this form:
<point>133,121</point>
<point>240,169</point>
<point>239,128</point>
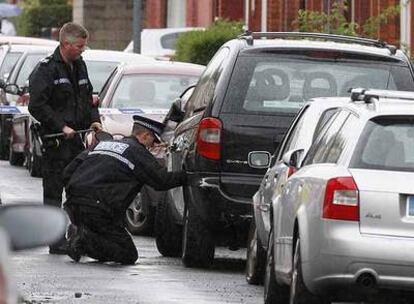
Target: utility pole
<point>137,24</point>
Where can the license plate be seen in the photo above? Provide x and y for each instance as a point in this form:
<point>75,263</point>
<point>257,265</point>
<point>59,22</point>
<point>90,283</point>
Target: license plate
<point>410,206</point>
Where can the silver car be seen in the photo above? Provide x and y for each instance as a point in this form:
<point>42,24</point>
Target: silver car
<point>342,228</point>
<point>302,132</point>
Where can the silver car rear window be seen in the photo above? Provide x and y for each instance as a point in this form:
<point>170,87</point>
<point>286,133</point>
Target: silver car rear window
<point>386,143</point>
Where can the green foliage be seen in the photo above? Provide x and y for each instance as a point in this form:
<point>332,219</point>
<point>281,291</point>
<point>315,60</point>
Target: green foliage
<point>38,14</point>
<point>200,46</point>
<point>336,23</point>
<point>333,23</point>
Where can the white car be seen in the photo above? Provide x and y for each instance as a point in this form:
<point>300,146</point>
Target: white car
<point>160,43</point>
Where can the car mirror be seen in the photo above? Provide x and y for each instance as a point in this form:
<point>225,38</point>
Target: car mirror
<point>12,89</point>
<point>31,226</point>
<point>2,84</point>
<point>293,158</point>
<point>259,159</point>
<point>175,113</point>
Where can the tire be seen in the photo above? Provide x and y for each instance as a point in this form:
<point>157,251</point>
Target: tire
<point>273,292</point>
<point>16,159</point>
<point>140,215</point>
<point>299,294</point>
<point>34,162</point>
<point>198,243</point>
<point>256,258</point>
<point>168,235</point>
<point>4,139</point>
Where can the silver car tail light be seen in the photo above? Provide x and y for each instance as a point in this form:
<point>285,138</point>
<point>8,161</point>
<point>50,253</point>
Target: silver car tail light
<point>341,199</point>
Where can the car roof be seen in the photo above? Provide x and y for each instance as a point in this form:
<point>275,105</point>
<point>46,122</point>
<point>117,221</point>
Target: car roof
<point>26,47</point>
<point>378,49</point>
<point>378,106</point>
<point>164,67</point>
<point>27,40</point>
<point>106,55</point>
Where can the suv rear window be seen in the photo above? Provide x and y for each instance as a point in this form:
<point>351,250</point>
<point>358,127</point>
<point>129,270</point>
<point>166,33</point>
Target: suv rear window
<point>281,83</point>
<point>386,143</point>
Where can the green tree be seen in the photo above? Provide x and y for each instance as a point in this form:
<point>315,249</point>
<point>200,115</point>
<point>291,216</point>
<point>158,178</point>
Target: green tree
<point>200,46</point>
<point>38,14</point>
<point>336,23</point>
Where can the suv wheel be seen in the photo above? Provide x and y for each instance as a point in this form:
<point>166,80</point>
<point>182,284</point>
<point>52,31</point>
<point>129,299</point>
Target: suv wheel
<point>273,292</point>
<point>256,258</point>
<point>198,242</point>
<point>140,215</point>
<point>168,235</point>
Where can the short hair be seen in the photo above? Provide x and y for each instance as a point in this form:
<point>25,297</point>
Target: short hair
<point>71,32</point>
<point>138,129</point>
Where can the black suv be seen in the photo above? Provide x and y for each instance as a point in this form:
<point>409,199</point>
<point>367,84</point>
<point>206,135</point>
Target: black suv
<point>244,102</point>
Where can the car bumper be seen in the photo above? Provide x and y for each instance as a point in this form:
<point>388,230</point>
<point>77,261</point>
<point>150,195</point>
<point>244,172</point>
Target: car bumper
<point>343,256</point>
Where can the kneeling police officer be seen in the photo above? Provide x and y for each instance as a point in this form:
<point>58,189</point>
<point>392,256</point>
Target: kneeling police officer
<point>101,184</point>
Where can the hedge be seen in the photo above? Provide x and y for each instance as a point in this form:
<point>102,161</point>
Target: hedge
<point>34,18</point>
<point>200,46</point>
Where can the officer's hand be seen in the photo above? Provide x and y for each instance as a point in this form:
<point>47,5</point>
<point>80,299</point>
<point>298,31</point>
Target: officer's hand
<point>68,132</point>
<point>96,126</point>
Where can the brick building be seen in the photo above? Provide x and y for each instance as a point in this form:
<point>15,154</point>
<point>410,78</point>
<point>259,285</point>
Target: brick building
<point>110,21</point>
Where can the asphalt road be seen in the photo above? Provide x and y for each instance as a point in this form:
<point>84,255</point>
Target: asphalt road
<point>44,278</point>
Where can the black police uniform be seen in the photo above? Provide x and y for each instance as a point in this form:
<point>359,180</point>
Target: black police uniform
<point>102,184</point>
<point>60,96</point>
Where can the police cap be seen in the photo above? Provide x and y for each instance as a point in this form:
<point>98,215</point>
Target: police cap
<point>155,126</point>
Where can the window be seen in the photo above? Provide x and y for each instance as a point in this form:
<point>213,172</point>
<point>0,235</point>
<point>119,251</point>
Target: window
<point>8,63</point>
<point>205,88</point>
<point>322,121</point>
<point>319,150</point>
<point>99,72</point>
<point>386,143</point>
<point>291,139</point>
<point>27,67</point>
<point>275,82</point>
<point>150,90</point>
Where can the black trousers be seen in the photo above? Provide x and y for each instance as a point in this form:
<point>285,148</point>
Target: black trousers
<point>54,161</point>
<point>104,238</point>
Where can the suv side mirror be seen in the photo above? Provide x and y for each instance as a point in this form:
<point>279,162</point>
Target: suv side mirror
<point>259,159</point>
<point>175,113</point>
<point>2,83</point>
<point>293,158</point>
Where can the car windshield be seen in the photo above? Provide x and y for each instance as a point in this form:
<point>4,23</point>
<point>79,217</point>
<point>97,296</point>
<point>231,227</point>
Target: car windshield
<point>8,63</point>
<point>150,90</point>
<point>283,83</point>
<point>27,67</point>
<point>387,143</point>
<point>99,71</point>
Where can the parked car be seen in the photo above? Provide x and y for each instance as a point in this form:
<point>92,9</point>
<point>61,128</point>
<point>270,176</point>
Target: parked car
<point>160,43</point>
<point>148,90</point>
<point>20,122</point>
<point>25,148</point>
<point>9,55</point>
<point>23,227</point>
<point>342,220</point>
<point>306,126</point>
<point>244,102</point>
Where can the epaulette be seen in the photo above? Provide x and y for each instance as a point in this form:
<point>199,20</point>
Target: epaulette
<point>46,59</point>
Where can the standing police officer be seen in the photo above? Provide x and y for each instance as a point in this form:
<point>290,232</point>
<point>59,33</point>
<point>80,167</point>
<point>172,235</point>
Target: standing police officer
<point>102,183</point>
<point>61,100</point>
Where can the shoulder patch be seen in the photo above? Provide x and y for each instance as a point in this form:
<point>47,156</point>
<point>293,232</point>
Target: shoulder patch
<point>45,60</point>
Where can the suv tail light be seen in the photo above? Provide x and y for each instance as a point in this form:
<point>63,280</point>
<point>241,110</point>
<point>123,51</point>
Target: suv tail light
<point>341,200</point>
<point>209,138</point>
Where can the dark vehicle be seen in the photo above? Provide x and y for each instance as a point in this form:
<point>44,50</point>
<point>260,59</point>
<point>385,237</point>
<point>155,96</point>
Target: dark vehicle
<point>244,102</point>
